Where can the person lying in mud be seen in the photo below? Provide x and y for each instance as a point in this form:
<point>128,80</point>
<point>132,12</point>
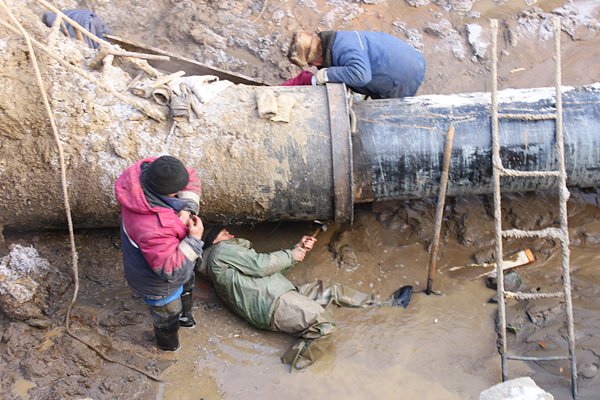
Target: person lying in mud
<point>374,64</point>
<point>161,238</point>
<point>87,19</point>
<point>252,285</point>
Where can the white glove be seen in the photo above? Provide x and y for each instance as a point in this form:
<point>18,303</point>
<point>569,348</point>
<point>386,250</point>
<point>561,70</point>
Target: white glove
<point>322,76</point>
<point>267,104</point>
<point>285,103</point>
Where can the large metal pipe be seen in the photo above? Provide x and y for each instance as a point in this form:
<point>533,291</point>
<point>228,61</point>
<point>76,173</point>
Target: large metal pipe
<point>398,149</point>
<point>251,169</point>
<point>255,170</point>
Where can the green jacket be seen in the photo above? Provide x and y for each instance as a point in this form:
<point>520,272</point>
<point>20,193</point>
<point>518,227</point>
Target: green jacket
<point>249,283</point>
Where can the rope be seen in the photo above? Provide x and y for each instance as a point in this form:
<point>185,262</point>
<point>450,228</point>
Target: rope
<point>261,12</point>
<point>143,106</point>
<point>66,201</point>
<point>78,28</point>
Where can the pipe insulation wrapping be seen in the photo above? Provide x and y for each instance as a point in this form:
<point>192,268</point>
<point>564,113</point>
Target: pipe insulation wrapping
<point>399,146</point>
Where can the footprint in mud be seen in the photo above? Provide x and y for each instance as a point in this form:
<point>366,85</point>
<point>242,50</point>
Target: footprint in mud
<point>346,251</point>
<point>346,257</point>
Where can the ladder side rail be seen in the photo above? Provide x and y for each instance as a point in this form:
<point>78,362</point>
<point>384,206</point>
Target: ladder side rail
<point>563,198</point>
<point>496,168</point>
<point>562,233</point>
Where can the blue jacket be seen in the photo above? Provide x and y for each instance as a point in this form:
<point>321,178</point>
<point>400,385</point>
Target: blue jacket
<point>87,19</point>
<point>376,64</point>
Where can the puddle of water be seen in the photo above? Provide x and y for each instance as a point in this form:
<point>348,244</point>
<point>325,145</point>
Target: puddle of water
<point>49,342</point>
<point>22,387</point>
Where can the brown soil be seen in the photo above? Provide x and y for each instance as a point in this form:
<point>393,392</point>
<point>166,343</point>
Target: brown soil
<point>439,347</point>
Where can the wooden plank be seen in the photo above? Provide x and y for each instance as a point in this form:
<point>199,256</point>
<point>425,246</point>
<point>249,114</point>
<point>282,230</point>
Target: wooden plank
<point>179,63</point>
<point>474,271</point>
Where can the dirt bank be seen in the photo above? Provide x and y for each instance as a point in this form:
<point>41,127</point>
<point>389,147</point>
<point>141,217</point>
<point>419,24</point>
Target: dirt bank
<point>440,347</point>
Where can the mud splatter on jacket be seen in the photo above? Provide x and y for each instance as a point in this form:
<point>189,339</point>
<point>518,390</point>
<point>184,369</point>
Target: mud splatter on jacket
<point>248,282</point>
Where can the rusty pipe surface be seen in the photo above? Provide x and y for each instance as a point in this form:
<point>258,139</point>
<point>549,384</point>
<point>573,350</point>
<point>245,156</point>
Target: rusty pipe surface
<point>255,170</point>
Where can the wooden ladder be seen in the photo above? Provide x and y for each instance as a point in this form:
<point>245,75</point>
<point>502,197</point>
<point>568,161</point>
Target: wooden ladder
<point>561,234</point>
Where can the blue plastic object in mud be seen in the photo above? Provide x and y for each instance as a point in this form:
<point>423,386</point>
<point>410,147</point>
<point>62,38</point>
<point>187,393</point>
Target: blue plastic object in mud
<point>401,296</point>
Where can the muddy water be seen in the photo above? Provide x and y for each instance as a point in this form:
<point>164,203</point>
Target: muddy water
<point>441,346</point>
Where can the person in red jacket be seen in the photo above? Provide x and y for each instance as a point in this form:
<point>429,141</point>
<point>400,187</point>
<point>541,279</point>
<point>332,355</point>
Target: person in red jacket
<point>161,238</point>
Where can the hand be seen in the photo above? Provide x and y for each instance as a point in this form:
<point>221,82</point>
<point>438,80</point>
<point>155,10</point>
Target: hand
<point>304,78</point>
<point>298,253</point>
<point>322,76</point>
<point>307,242</point>
<point>196,227</point>
<point>184,216</point>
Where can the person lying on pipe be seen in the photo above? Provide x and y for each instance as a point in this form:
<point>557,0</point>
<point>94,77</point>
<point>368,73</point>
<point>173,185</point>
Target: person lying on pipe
<point>161,238</point>
<point>252,286</point>
<point>375,64</point>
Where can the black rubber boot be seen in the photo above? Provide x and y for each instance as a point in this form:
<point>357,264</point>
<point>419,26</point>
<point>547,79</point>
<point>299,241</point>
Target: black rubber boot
<point>167,336</point>
<point>187,319</point>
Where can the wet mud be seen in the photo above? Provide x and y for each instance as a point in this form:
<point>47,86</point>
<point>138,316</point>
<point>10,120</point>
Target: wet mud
<point>441,346</point>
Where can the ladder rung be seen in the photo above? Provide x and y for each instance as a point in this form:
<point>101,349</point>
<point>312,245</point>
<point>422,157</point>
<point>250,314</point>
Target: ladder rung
<point>555,113</point>
<point>530,117</point>
<point>528,174</point>
<point>553,358</point>
<point>528,296</point>
<point>549,233</point>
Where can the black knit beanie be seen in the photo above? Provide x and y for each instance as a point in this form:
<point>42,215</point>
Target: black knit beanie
<point>166,175</point>
<point>211,234</point>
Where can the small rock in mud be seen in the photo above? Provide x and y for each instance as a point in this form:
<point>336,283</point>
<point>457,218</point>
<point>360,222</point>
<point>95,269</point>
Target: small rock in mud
<point>543,311</point>
<point>25,284</point>
<point>589,371</point>
<point>513,282</point>
<point>442,29</point>
<point>515,317</point>
<point>344,254</point>
<point>476,40</point>
<point>482,256</point>
<point>516,389</point>
<point>39,323</point>
<point>475,226</point>
<point>392,214</point>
